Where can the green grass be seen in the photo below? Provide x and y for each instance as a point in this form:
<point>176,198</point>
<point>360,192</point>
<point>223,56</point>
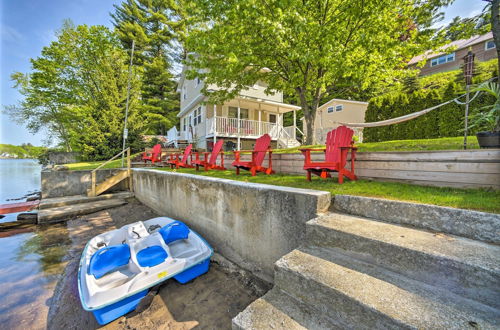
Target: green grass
<point>450,143</point>
<point>117,163</point>
<point>473,199</point>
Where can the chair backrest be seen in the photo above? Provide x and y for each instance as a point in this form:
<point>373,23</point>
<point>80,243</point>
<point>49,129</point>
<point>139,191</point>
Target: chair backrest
<point>156,151</point>
<point>215,152</point>
<point>339,137</point>
<point>261,145</point>
<point>187,151</point>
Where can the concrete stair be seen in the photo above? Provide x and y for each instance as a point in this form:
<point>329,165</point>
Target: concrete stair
<point>355,272</point>
<point>62,209</point>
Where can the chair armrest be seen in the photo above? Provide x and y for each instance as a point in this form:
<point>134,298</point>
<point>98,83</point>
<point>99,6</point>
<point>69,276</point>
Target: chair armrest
<point>353,148</point>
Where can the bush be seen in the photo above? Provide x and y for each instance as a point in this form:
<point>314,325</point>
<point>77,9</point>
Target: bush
<point>447,121</point>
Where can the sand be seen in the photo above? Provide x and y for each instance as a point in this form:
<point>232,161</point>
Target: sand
<point>208,302</point>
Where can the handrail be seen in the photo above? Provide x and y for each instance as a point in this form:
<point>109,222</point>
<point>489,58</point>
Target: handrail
<point>129,171</point>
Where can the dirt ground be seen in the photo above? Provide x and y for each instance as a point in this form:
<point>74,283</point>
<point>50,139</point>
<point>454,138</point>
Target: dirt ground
<point>208,302</point>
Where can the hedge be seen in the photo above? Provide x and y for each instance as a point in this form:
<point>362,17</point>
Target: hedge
<point>446,121</point>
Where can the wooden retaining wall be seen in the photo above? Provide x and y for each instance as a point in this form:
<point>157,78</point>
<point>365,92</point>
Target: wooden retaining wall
<point>457,168</point>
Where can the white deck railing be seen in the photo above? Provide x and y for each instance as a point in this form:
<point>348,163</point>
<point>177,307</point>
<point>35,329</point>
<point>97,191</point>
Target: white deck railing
<point>223,126</point>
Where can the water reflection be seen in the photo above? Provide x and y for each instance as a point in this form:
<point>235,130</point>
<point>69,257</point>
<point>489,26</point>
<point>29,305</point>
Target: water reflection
<point>30,264</point>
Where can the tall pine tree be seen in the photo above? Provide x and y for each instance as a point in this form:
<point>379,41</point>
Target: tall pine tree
<point>152,24</point>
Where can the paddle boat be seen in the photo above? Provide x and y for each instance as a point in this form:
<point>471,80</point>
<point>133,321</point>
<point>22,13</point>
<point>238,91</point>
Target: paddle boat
<point>118,267</point>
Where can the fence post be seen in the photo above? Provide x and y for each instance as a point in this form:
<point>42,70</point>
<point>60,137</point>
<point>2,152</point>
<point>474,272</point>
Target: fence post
<point>130,182</point>
<point>93,183</point>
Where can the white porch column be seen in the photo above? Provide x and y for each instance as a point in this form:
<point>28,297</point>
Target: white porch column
<point>239,124</point>
<point>260,121</point>
<point>214,124</point>
<point>278,123</point>
<point>294,124</point>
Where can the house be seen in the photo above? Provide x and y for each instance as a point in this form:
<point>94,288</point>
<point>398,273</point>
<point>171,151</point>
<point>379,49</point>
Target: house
<point>482,46</point>
<point>336,111</point>
<point>239,121</point>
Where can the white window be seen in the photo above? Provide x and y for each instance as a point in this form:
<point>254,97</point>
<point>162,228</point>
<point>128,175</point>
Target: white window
<point>184,124</point>
<point>329,110</point>
<point>233,113</point>
<point>339,107</point>
<point>489,45</point>
<point>184,93</point>
<point>443,59</point>
<point>197,116</point>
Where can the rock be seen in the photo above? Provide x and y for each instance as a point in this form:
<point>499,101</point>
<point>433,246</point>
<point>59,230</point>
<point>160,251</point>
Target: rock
<point>27,217</point>
<point>61,168</point>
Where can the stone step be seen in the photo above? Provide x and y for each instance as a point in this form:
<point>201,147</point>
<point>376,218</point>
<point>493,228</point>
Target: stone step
<point>462,266</point>
<point>363,301</point>
<point>476,225</point>
<point>47,203</point>
<point>63,213</point>
<point>278,310</point>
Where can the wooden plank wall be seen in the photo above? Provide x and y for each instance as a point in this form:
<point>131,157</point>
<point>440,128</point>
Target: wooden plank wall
<point>460,168</point>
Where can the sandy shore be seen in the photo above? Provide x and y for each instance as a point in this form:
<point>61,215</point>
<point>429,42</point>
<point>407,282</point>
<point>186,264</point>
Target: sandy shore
<point>208,302</point>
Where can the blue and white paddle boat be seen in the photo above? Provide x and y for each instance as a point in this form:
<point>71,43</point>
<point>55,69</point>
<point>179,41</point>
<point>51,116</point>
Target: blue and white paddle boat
<point>118,267</point>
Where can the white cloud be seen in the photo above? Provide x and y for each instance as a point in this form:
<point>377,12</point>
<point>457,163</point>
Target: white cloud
<point>10,34</point>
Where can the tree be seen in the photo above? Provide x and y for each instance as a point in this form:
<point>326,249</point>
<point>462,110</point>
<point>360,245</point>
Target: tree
<point>77,90</point>
<point>306,48</point>
<point>153,24</point>
<point>464,28</point>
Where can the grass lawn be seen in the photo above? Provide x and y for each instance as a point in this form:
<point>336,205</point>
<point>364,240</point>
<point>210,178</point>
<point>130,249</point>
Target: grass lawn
<point>474,199</point>
<point>92,165</point>
<point>451,143</point>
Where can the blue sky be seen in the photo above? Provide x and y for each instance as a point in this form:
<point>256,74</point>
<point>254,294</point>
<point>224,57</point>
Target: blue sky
<point>28,25</point>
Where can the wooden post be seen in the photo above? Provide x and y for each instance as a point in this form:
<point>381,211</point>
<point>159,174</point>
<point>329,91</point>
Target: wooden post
<point>215,123</point>
<point>130,182</point>
<point>294,124</point>
<point>93,183</point>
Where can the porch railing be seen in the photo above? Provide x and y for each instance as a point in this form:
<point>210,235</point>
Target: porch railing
<point>223,126</point>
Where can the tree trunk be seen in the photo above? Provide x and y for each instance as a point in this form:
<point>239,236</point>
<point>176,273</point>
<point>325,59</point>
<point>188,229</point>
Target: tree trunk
<point>309,116</point>
<point>495,28</point>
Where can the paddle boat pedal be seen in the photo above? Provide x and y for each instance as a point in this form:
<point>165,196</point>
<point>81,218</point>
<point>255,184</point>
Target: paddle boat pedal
<point>118,267</point>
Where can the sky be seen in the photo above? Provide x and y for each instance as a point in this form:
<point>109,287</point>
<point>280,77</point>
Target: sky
<point>29,25</point>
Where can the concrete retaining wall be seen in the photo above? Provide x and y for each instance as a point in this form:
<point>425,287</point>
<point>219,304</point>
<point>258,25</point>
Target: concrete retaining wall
<point>68,183</point>
<point>251,224</point>
<point>458,168</point>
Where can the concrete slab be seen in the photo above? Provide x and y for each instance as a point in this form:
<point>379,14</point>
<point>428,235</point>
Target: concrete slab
<point>63,213</point>
<point>466,223</point>
<point>367,302</point>
<point>463,266</point>
<point>278,310</point>
<point>47,203</point>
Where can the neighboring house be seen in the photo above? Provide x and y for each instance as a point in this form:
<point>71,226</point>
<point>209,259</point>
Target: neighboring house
<point>336,111</point>
<point>239,121</point>
<point>482,46</point>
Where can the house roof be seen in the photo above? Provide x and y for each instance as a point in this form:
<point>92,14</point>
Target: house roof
<point>343,101</point>
<point>458,44</point>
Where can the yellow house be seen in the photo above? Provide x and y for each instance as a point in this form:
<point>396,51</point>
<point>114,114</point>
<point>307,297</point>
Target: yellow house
<point>335,111</point>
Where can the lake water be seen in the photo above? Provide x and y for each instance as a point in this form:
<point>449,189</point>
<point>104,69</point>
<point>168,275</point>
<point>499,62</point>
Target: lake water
<point>18,177</point>
<point>31,258</point>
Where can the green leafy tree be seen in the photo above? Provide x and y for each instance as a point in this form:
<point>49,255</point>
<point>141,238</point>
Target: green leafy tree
<point>153,25</point>
<point>464,28</point>
<point>306,48</point>
<point>76,90</point>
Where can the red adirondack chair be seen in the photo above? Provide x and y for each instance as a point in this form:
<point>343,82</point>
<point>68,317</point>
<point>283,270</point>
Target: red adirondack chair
<point>262,146</point>
<point>338,143</point>
<point>176,161</point>
<point>211,163</point>
<point>154,155</point>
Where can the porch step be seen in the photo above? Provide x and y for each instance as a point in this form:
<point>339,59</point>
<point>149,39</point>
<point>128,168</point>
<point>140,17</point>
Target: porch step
<point>358,298</point>
<point>62,213</point>
<point>278,310</point>
<point>288,143</point>
<point>462,266</point>
<point>47,203</point>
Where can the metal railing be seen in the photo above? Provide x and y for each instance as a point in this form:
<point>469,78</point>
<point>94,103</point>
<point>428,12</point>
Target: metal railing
<point>129,171</point>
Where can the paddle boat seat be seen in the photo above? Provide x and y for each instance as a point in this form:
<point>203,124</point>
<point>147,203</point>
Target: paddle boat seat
<point>108,259</point>
<point>174,231</point>
<point>151,256</point>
